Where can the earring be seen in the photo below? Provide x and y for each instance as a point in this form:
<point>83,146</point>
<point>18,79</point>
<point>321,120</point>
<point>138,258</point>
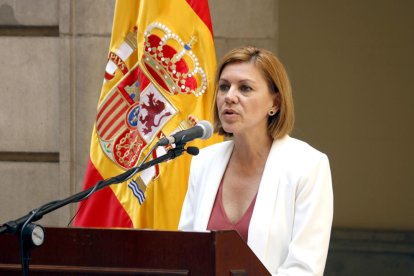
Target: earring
<point>271,112</point>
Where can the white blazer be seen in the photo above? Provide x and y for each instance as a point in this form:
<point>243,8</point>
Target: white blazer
<point>291,222</point>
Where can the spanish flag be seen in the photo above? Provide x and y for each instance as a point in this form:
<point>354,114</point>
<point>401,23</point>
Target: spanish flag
<point>158,80</point>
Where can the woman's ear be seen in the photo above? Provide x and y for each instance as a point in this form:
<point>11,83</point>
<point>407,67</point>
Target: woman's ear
<point>276,102</point>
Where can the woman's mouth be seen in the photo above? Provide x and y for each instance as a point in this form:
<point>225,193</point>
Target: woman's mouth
<point>229,113</point>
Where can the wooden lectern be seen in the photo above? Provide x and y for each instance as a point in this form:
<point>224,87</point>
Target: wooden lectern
<point>92,251</point>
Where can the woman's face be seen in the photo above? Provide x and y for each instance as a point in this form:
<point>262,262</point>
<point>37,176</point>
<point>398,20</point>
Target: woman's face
<point>244,99</point>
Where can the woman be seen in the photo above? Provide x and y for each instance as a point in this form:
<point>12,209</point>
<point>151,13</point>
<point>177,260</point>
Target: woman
<point>276,191</point>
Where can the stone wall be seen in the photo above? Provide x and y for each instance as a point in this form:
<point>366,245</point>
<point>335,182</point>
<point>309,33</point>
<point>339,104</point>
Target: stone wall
<point>30,107</point>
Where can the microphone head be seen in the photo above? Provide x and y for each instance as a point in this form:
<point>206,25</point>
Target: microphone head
<point>207,129</point>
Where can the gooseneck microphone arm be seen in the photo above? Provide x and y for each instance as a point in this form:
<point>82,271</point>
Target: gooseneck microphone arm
<point>13,226</point>
<point>19,225</point>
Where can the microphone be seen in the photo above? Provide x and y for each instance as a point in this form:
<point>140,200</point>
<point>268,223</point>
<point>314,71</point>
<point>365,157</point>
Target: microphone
<point>202,129</point>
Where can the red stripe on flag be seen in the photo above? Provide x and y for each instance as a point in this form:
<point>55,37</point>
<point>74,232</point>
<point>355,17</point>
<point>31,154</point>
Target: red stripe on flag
<point>201,8</point>
<point>116,128</point>
<point>109,113</point>
<point>116,117</point>
<point>103,208</point>
<point>105,106</point>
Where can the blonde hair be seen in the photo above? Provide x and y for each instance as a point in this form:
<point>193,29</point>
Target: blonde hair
<point>276,76</point>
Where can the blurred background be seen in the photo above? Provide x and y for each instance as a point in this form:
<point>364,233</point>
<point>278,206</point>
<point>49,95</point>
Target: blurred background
<point>350,63</point>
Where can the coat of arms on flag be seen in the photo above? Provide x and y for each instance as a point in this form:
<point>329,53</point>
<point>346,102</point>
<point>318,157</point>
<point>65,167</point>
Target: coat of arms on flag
<point>158,80</point>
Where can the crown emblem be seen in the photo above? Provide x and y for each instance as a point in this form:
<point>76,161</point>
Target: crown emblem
<point>171,61</point>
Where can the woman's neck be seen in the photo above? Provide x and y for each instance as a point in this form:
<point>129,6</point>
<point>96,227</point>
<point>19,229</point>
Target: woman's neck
<point>251,149</point>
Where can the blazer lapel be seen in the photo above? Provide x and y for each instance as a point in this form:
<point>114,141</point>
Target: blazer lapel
<point>265,205</point>
<point>211,182</point>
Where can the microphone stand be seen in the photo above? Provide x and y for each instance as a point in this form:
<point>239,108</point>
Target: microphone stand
<point>19,226</point>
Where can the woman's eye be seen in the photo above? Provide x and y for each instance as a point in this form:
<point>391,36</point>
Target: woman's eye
<point>223,87</point>
<point>245,88</point>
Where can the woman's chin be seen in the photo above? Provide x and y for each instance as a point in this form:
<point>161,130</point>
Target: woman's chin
<point>229,129</point>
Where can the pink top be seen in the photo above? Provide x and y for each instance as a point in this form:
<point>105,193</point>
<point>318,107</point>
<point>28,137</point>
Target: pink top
<point>220,221</point>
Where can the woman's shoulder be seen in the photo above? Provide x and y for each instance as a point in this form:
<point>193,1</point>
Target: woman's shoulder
<point>212,155</point>
<point>216,148</point>
<point>297,150</point>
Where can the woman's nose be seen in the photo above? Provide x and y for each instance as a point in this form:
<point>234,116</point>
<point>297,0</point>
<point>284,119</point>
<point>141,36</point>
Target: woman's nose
<point>231,95</point>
